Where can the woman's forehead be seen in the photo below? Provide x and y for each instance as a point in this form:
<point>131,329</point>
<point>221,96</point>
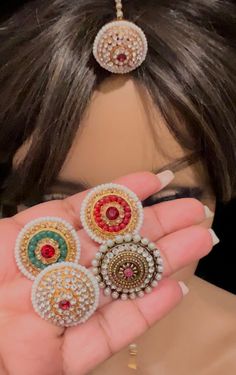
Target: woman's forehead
<point>122,132</point>
<point>119,135</point>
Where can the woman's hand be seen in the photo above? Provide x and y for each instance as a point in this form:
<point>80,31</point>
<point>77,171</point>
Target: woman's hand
<point>30,345</point>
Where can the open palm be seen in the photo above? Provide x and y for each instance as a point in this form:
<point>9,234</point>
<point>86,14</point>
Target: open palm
<point>31,346</point>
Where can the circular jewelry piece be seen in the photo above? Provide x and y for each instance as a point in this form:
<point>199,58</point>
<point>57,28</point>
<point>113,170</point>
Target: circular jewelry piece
<point>65,293</point>
<point>45,241</point>
<point>111,209</point>
<point>120,46</point>
<point>128,266</point>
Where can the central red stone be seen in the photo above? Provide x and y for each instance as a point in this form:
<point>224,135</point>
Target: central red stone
<point>112,213</point>
<point>121,57</point>
<point>64,305</point>
<point>47,251</point>
<point>128,272</point>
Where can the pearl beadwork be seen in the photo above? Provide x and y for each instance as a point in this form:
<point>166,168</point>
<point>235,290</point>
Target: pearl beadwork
<point>120,46</point>
<point>44,241</point>
<point>99,201</point>
<point>128,269</point>
<point>65,294</point>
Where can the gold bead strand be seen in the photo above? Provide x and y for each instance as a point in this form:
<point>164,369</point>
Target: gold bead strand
<point>133,351</point>
<point>119,11</point>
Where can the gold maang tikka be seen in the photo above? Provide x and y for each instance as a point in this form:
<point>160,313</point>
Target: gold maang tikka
<point>120,46</point>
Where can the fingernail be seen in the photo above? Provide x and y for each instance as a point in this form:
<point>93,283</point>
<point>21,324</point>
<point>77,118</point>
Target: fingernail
<point>214,237</point>
<point>208,212</point>
<point>165,177</point>
<point>184,288</point>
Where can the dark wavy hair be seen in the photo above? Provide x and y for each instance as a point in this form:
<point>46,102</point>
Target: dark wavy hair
<point>48,74</point>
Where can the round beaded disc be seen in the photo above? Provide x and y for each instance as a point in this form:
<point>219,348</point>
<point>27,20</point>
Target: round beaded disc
<point>111,209</point>
<point>45,241</point>
<point>120,46</point>
<point>65,293</point>
<point>128,266</point>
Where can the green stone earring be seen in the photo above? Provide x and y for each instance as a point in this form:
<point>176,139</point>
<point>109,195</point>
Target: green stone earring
<point>43,242</point>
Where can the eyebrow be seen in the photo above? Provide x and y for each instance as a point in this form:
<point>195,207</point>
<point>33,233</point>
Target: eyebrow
<point>175,166</point>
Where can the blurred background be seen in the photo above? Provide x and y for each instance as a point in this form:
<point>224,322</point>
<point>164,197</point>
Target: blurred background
<point>219,266</point>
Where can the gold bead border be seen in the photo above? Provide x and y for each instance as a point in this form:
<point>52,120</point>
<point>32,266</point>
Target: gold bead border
<point>34,227</point>
<point>69,281</point>
<point>100,192</point>
<point>127,256</point>
<point>105,44</point>
<point>47,241</point>
<point>134,244</point>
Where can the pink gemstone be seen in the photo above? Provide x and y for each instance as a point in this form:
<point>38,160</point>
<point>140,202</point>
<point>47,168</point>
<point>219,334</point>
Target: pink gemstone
<point>128,272</point>
<point>47,251</point>
<point>64,305</point>
<point>121,57</point>
<point>112,213</point>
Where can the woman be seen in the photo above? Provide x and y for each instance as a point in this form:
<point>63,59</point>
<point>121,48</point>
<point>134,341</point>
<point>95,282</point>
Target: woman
<point>68,124</point>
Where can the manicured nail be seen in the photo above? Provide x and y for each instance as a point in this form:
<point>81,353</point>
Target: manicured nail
<point>184,288</point>
<point>165,177</point>
<point>208,212</point>
<point>214,237</point>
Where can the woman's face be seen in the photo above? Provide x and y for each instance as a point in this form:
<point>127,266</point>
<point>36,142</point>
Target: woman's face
<point>120,135</point>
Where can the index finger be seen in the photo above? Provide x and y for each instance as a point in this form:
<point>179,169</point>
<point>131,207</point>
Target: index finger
<point>143,184</point>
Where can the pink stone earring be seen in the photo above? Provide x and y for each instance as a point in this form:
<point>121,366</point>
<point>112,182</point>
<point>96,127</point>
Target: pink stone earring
<point>126,265</point>
<point>120,46</point>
